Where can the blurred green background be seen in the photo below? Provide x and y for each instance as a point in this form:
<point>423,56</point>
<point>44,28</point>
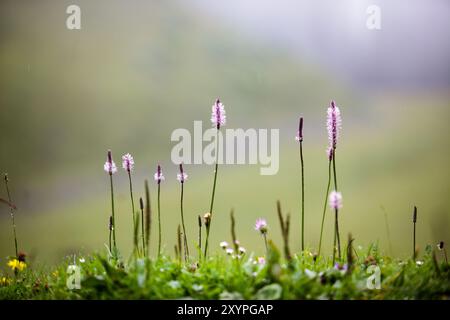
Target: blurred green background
<point>136,71</point>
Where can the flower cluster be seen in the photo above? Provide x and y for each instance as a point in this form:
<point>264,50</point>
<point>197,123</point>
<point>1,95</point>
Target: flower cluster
<point>335,200</point>
<point>229,251</point>
<point>17,265</point>
<point>261,225</point>
<point>4,281</point>
<point>110,166</point>
<point>159,175</point>
<point>218,114</point>
<point>127,162</point>
<point>334,123</point>
<point>182,176</point>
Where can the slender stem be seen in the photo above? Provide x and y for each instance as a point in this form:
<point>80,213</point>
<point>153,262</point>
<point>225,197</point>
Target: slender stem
<point>387,229</point>
<point>334,246</point>
<point>337,234</point>
<point>265,243</point>
<point>143,232</point>
<point>334,170</point>
<point>336,215</point>
<point>325,206</point>
<point>113,214</point>
<point>186,249</point>
<point>110,233</point>
<point>199,237</point>
<point>303,196</point>
<point>445,255</point>
<point>213,193</point>
<point>159,220</point>
<point>12,216</point>
<point>132,207</point>
<point>414,242</point>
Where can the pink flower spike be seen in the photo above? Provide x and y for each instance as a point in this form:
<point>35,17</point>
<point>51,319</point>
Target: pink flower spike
<point>261,225</point>
<point>110,166</point>
<point>261,260</point>
<point>159,175</point>
<point>182,176</point>
<point>218,114</point>
<point>334,123</point>
<point>127,162</point>
<point>335,200</point>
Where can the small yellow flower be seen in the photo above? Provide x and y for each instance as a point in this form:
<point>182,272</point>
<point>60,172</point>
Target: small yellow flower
<point>17,265</point>
<point>5,281</point>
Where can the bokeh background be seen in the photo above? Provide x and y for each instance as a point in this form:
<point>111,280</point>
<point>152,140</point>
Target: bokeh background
<point>137,70</point>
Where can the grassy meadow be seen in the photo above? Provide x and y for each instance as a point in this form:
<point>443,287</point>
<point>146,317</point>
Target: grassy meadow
<point>67,97</point>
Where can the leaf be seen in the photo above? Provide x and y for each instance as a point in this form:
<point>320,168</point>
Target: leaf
<point>270,292</point>
<point>231,296</point>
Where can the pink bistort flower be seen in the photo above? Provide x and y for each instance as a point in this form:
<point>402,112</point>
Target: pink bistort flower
<point>218,114</point>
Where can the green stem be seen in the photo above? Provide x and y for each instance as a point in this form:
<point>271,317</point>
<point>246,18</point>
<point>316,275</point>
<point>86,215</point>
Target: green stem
<point>414,242</point>
<point>132,206</point>
<point>325,206</point>
<point>213,193</point>
<point>337,234</point>
<point>113,214</point>
<point>303,196</point>
<point>143,232</point>
<point>110,233</point>
<point>186,249</point>
<point>334,245</point>
<point>159,220</point>
<point>265,243</point>
<point>334,170</point>
<point>12,217</point>
<point>336,216</point>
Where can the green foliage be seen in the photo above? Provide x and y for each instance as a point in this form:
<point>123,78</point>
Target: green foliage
<point>220,277</point>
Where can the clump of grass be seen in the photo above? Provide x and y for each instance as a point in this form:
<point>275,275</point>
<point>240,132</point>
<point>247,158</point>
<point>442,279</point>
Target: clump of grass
<point>219,277</point>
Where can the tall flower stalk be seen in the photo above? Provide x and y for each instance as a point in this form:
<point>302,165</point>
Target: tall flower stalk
<point>127,165</point>
<point>110,168</point>
<point>334,123</point>
<point>218,119</point>
<point>330,156</point>
<point>148,217</point>
<point>414,232</point>
<point>158,178</point>
<point>182,177</point>
<point>11,208</point>
<point>141,206</point>
<point>299,138</point>
<point>110,228</point>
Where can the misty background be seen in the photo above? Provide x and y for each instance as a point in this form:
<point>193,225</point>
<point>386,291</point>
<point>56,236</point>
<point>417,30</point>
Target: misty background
<point>138,70</point>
